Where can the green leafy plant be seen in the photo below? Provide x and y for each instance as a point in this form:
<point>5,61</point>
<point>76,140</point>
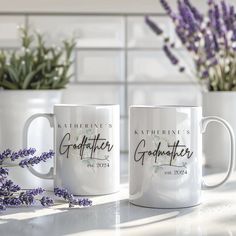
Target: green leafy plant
<point>36,65</point>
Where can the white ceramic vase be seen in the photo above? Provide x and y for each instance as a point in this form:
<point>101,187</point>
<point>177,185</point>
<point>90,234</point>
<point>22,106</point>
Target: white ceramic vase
<point>216,140</point>
<point>16,106</point>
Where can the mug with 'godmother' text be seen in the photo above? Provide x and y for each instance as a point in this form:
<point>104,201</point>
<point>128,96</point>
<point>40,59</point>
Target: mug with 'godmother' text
<point>166,155</point>
<point>87,147</point>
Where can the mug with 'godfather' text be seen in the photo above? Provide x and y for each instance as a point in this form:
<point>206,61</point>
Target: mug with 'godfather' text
<point>87,148</point>
<point>166,155</point>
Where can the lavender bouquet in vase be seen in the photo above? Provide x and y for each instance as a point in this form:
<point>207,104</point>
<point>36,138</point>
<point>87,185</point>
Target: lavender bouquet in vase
<point>210,40</point>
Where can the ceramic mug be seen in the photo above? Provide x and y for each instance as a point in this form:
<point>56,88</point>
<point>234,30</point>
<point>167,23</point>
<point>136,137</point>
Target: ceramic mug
<point>87,148</point>
<point>166,155</point>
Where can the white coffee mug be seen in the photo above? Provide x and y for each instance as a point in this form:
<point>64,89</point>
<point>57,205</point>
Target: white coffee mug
<point>87,148</point>
<point>166,155</point>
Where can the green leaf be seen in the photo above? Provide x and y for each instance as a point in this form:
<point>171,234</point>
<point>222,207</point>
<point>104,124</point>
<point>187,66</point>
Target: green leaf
<point>13,74</point>
<point>30,76</point>
<point>8,85</point>
<point>31,69</point>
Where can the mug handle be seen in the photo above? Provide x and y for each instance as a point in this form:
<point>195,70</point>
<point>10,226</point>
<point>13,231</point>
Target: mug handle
<point>204,122</point>
<point>50,118</point>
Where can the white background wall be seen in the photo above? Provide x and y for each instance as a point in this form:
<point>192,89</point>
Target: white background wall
<point>117,60</point>
<point>89,5</point>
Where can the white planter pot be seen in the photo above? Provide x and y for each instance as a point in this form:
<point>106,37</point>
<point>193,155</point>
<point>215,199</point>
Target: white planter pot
<point>15,108</point>
<point>216,140</point>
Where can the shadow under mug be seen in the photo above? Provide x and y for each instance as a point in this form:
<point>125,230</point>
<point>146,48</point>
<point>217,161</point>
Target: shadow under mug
<point>87,148</point>
<point>166,155</point>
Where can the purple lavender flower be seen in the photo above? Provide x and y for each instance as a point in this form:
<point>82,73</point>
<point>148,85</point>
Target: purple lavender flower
<point>10,194</point>
<point>83,202</point>
<point>12,201</point>
<point>3,172</point>
<point>60,192</point>
<point>36,191</point>
<point>188,17</point>
<point>197,15</point>
<point>174,60</point>
<point>46,201</point>
<point>22,153</point>
<point>166,6</point>
<point>6,152</point>
<point>209,46</point>
<point>217,23</point>
<point>225,13</point>
<point>224,8</point>
<point>36,159</point>
<point>8,187</point>
<point>231,16</point>
<point>232,22</point>
<point>26,198</point>
<point>211,19</point>
<point>231,11</point>
<point>15,155</point>
<point>4,155</point>
<point>155,28</point>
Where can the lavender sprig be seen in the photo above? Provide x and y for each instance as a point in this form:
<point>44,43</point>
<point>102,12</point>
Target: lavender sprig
<point>10,193</point>
<point>8,187</point>
<point>217,23</point>
<point>82,202</point>
<point>4,155</point>
<point>63,193</point>
<point>155,28</point>
<point>174,60</point>
<point>8,154</point>
<point>197,15</point>
<point>36,159</point>
<point>189,21</point>
<point>168,44</point>
<point>46,201</point>
<point>23,198</point>
<point>22,153</point>
<point>26,198</point>
<point>11,201</point>
<point>36,191</point>
<point>3,172</point>
<point>225,14</point>
<point>166,6</point>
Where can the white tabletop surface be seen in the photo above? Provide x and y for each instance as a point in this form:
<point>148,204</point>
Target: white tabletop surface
<point>114,215</point>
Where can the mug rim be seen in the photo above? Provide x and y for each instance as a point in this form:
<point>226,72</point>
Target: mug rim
<point>84,105</point>
<point>164,106</point>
